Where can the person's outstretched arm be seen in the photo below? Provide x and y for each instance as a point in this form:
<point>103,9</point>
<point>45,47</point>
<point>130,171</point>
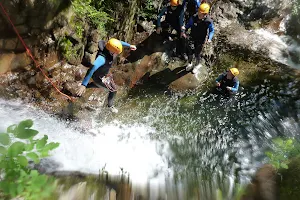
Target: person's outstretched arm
<point>125,44</point>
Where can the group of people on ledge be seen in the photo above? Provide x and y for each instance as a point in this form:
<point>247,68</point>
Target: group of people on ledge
<point>196,16</point>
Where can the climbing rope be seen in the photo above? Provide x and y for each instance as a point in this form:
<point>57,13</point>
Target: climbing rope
<point>30,54</point>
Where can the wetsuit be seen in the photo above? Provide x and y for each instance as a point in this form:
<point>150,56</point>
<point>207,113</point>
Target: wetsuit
<point>233,83</point>
<point>191,7</point>
<point>100,69</point>
<point>173,20</point>
<point>200,28</point>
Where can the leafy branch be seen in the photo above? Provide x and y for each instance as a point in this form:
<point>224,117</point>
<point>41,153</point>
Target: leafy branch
<point>280,155</point>
<point>17,148</point>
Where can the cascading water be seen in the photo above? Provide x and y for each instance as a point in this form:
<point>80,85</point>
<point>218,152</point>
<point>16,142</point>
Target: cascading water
<point>176,142</point>
<point>111,147</point>
<point>282,47</point>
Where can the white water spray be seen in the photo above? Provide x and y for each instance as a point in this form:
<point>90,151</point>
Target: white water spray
<point>114,146</point>
<point>282,49</point>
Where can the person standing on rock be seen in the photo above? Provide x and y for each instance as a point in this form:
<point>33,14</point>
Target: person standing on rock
<point>191,7</point>
<point>228,82</point>
<point>100,71</point>
<point>174,16</point>
<point>202,31</point>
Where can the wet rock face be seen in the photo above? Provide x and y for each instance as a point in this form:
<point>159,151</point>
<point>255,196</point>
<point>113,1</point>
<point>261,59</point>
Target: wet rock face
<point>237,25</point>
<point>13,62</point>
<point>260,9</point>
<point>152,63</point>
<point>289,182</point>
<point>32,14</point>
<point>263,186</point>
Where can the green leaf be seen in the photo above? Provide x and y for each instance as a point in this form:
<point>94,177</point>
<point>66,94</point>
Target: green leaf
<point>269,154</point>
<point>39,181</point>
<point>4,139</point>
<point>2,150</point>
<point>16,149</point>
<point>289,142</point>
<point>11,129</point>
<point>13,189</point>
<point>23,161</point>
<point>276,165</point>
<point>51,146</point>
<point>44,153</point>
<point>284,166</point>
<point>29,147</point>
<point>34,173</point>
<point>4,185</point>
<point>278,142</point>
<point>26,133</point>
<point>33,156</point>
<point>25,124</point>
<point>42,142</point>
<point>20,188</point>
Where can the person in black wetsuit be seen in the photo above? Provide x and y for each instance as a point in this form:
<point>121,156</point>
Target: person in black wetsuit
<point>202,31</point>
<point>228,82</point>
<point>191,7</point>
<point>174,15</point>
<point>99,72</point>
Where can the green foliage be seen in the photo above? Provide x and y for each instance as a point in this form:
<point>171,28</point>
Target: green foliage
<point>79,29</point>
<point>148,10</point>
<point>92,12</point>
<point>66,47</point>
<point>17,148</point>
<point>281,153</point>
<point>296,7</point>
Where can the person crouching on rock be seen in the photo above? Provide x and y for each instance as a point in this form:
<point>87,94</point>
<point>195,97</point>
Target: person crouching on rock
<point>202,27</point>
<point>99,72</point>
<point>174,16</point>
<point>227,82</point>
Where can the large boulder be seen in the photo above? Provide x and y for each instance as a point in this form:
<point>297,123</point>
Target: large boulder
<point>263,185</point>
<point>32,14</point>
<point>13,62</point>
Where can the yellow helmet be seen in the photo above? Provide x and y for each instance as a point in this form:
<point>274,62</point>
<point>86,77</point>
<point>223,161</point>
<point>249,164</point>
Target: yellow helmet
<point>204,8</point>
<point>234,71</point>
<point>174,2</point>
<point>115,46</point>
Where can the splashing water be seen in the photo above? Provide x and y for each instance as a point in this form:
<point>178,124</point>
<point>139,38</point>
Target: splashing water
<point>198,139</point>
<point>282,49</point>
<point>114,146</point>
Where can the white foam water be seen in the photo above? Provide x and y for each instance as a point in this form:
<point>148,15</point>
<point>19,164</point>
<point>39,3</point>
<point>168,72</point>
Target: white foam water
<point>282,49</point>
<point>113,146</point>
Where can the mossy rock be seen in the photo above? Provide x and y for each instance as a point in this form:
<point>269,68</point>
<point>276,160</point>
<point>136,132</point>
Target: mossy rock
<point>290,181</point>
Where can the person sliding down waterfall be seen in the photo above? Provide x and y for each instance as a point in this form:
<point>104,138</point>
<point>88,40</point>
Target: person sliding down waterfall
<point>201,26</point>
<point>99,72</point>
<point>227,82</point>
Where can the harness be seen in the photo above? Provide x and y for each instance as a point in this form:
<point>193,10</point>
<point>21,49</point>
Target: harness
<point>109,83</point>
